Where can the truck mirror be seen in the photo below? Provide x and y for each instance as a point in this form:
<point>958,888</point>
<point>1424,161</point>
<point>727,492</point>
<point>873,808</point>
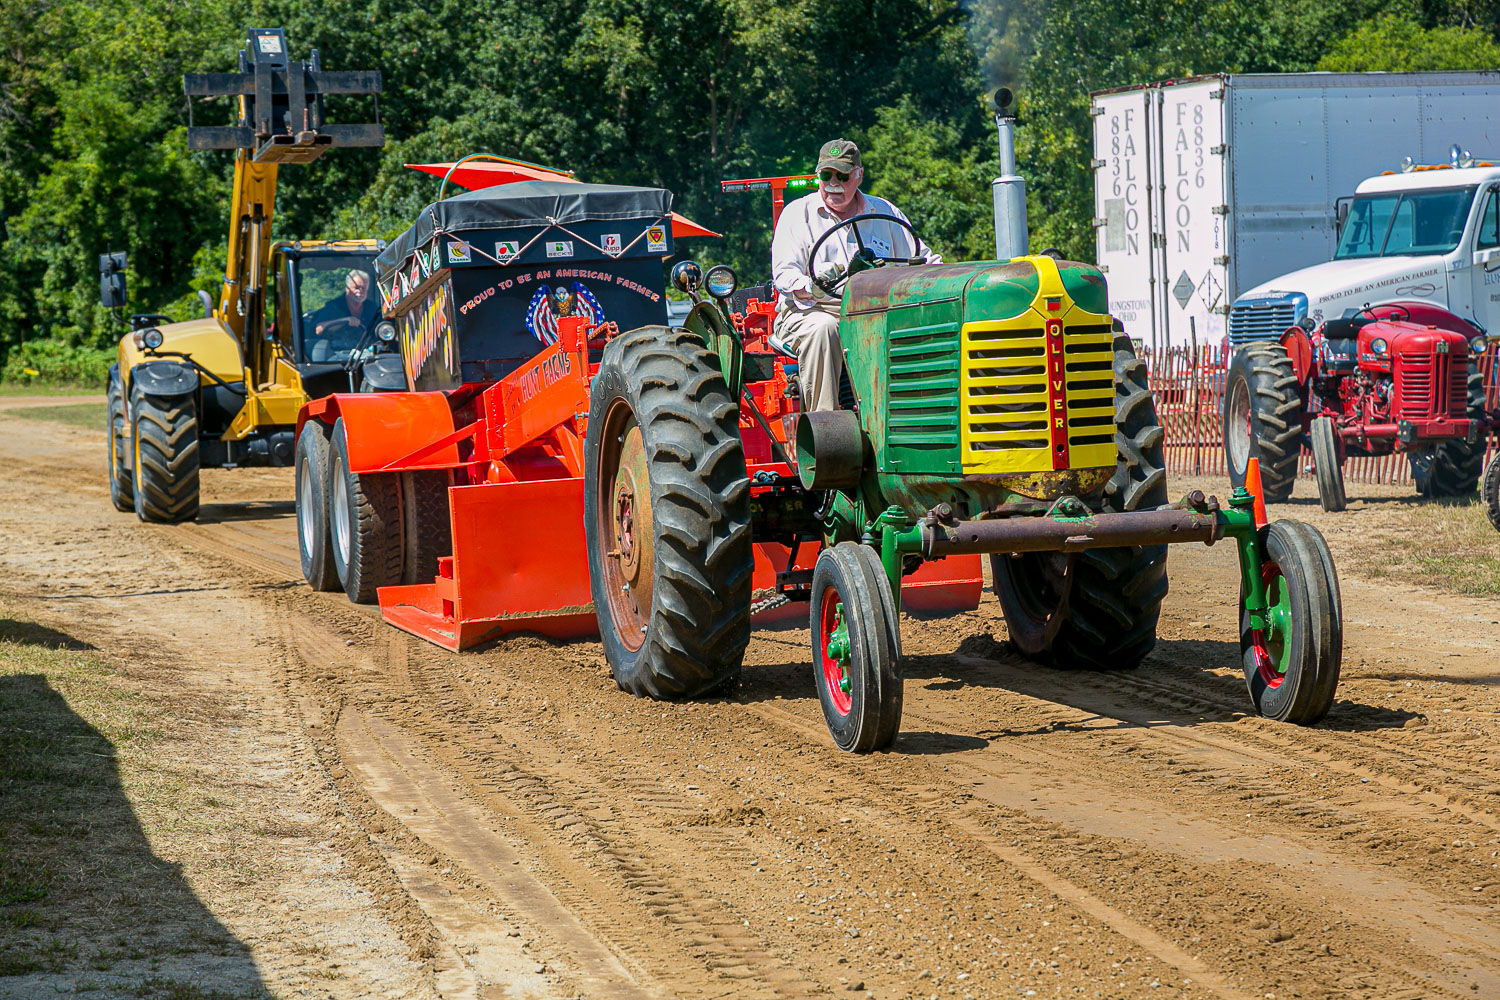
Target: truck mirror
<point>112,279</point>
<point>1340,215</point>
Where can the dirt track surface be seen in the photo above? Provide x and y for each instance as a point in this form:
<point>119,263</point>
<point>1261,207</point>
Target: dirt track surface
<point>508,824</point>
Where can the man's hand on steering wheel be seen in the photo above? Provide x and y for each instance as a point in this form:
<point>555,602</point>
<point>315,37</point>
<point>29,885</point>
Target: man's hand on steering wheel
<point>864,258</point>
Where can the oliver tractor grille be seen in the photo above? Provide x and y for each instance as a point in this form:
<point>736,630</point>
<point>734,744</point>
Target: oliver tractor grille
<point>1008,406</point>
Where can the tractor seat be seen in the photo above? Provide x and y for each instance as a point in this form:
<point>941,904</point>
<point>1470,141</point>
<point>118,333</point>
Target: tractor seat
<point>781,348</point>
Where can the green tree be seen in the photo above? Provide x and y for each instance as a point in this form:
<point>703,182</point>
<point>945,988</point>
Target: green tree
<point>1398,44</point>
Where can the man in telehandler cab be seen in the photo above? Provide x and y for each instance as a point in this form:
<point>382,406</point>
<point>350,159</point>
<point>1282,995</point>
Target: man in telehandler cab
<point>821,239</point>
<point>340,324</point>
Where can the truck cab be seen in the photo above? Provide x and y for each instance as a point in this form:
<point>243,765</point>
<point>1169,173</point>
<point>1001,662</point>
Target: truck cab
<point>1424,234</point>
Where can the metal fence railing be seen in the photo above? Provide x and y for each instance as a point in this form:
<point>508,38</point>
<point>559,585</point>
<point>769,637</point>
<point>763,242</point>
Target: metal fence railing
<point>1188,384</point>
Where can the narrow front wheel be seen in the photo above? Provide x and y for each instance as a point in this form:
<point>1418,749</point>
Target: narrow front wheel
<point>1292,665</point>
<point>856,648</point>
<point>1325,449</point>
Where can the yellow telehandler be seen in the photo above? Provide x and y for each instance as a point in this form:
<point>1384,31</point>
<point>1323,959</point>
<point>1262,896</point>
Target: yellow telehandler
<point>294,318</point>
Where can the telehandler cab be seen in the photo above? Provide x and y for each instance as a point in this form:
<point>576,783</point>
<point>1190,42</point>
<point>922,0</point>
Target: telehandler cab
<point>566,462</point>
<point>224,390</point>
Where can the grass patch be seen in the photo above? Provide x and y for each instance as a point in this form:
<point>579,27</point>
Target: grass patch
<point>47,389</point>
<point>74,414</point>
<point>1447,544</point>
<point>84,744</point>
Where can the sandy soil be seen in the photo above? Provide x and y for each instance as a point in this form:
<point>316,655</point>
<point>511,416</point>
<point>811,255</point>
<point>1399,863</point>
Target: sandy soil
<point>508,824</point>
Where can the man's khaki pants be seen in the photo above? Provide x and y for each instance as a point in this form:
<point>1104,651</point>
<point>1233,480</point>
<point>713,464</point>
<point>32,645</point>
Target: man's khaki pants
<point>814,335</point>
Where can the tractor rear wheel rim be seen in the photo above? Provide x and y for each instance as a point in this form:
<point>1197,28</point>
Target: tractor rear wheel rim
<point>1271,644</point>
<point>341,512</point>
<point>834,653</point>
<point>1238,423</point>
<point>626,527</point>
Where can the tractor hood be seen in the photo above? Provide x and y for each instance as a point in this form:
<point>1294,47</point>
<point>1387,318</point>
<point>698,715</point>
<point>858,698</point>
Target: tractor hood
<point>1333,287</point>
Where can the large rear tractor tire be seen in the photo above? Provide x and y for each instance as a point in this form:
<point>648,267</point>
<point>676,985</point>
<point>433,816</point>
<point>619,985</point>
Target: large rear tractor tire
<point>1491,490</point>
<point>164,439</point>
<point>856,648</point>
<point>1325,449</point>
<point>1098,609</point>
<point>426,531</point>
<point>1292,667</point>
<point>121,487</point>
<point>364,515</point>
<point>667,516</point>
<point>1263,418</point>
<point>1453,468</point>
<point>314,539</point>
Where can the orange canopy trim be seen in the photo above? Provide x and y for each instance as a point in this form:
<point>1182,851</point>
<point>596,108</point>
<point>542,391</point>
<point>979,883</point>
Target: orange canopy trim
<point>477,174</point>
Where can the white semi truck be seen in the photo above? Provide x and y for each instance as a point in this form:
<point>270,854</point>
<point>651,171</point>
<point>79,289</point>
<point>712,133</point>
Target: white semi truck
<point>1209,187</point>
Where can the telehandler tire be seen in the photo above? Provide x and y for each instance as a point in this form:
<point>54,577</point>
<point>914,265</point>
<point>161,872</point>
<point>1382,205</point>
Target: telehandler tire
<point>425,524</point>
<point>1491,490</point>
<point>856,648</point>
<point>314,538</point>
<point>364,517</point>
<point>1263,418</point>
<point>1292,669</point>
<point>1325,451</point>
<point>164,443</point>
<point>121,488</point>
<point>1098,609</point>
<point>667,516</point>
<point>1452,469</point>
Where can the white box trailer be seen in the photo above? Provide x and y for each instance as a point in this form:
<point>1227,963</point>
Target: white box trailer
<point>1207,187</point>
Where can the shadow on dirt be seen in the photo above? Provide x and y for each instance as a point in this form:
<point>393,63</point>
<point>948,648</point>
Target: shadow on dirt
<point>32,634</point>
<point>248,510</point>
<point>85,903</point>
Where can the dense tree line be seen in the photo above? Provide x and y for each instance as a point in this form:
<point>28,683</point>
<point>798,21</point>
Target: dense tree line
<point>678,94</point>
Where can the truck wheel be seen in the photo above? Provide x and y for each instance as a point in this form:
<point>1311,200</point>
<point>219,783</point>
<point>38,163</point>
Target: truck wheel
<point>1292,667</point>
<point>1263,418</point>
<point>1454,466</point>
<point>1325,451</point>
<point>1098,609</point>
<point>164,438</point>
<point>314,540</point>
<point>667,516</point>
<point>365,520</point>
<point>425,524</point>
<point>121,490</point>
<point>1491,490</point>
<point>856,648</point>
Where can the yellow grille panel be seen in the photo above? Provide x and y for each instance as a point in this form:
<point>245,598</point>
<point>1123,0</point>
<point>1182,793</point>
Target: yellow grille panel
<point>1009,418</point>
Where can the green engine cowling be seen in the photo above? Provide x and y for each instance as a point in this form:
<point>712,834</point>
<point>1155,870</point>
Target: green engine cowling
<point>980,384</point>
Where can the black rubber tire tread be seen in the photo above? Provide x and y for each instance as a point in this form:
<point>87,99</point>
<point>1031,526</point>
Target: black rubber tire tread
<point>1326,460</point>
<point>855,572</point>
<point>1491,490</point>
<point>116,454</point>
<point>1306,692</point>
<point>1275,416</point>
<point>426,533</point>
<point>375,544</point>
<point>699,624</point>
<point>1456,464</point>
<point>165,444</point>
<point>311,465</point>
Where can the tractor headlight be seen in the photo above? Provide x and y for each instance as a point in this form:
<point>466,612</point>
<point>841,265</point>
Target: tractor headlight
<point>721,281</point>
<point>1379,346</point>
<point>151,339</point>
<point>687,276</point>
<point>1478,345</point>
<point>385,330</point>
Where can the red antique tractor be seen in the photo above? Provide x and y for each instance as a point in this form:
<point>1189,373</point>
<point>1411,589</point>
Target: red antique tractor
<point>1399,377</point>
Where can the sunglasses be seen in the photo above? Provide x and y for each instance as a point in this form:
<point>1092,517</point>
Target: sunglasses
<point>831,174</point>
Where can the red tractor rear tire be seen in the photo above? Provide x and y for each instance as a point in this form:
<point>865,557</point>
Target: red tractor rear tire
<point>1490,490</point>
<point>1263,418</point>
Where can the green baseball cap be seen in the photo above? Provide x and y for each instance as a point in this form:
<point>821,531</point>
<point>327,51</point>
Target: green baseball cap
<point>840,154</point>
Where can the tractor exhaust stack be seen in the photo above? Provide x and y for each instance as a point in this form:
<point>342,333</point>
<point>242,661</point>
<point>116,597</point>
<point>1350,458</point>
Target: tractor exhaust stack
<point>1012,239</point>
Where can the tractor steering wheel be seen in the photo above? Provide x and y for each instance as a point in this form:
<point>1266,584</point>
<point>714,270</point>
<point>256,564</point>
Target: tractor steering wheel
<point>864,254</point>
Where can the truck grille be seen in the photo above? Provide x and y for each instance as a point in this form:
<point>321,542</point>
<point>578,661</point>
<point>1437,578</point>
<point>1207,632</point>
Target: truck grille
<point>1262,319</point>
